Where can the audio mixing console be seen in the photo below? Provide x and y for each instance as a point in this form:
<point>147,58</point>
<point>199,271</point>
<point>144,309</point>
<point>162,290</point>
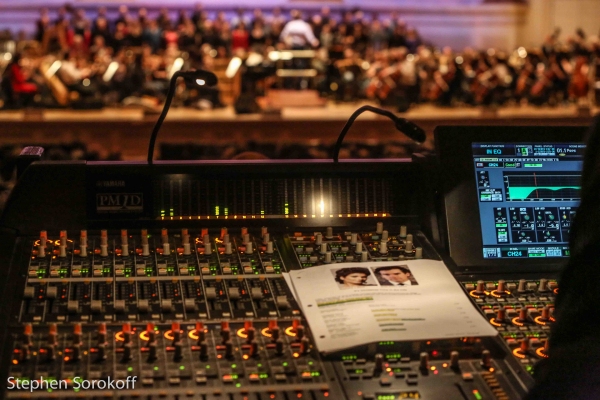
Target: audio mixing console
<point>510,196</point>
<point>188,311</point>
<point>521,311</point>
<point>171,275</point>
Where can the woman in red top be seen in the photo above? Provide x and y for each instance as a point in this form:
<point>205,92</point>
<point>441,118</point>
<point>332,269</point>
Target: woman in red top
<point>16,89</point>
<point>18,79</point>
<point>240,38</point>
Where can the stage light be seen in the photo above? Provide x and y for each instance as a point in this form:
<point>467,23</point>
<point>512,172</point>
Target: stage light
<point>177,64</point>
<point>233,67</point>
<point>254,59</point>
<point>110,71</point>
<point>53,69</point>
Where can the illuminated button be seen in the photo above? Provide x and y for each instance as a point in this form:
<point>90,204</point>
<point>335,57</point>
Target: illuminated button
<point>119,272</point>
<point>162,271</point>
<point>97,272</point>
<point>205,271</point>
<point>184,271</point>
<point>248,270</point>
<point>54,273</point>
<point>201,380</point>
<point>467,376</point>
<point>269,269</point>
<point>227,378</point>
<point>32,273</point>
<point>384,381</point>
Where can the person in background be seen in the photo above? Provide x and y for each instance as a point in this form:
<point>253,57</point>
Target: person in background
<point>152,35</point>
<point>164,19</point>
<point>240,17</point>
<point>101,28</point>
<point>42,25</point>
<point>123,15</point>
<point>22,91</point>
<point>298,34</point>
<point>143,17</point>
<point>572,370</point>
<point>199,16</point>
<point>100,14</point>
<point>240,38</point>
<point>277,17</point>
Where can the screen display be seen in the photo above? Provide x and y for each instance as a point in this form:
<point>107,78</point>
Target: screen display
<point>528,194</point>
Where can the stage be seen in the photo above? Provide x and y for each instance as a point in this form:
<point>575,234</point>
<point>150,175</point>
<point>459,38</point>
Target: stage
<point>126,130</point>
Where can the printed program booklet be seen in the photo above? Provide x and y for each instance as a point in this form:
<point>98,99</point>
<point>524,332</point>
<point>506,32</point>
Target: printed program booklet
<point>351,304</point>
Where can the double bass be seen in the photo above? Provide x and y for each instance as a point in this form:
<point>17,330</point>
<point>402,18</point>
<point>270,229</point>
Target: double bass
<point>382,84</point>
<point>579,86</point>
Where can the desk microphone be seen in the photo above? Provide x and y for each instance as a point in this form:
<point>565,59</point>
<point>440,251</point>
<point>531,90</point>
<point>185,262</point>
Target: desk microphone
<point>193,79</point>
<point>410,129</point>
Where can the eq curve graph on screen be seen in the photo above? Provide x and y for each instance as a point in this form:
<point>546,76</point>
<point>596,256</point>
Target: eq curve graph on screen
<point>542,186</point>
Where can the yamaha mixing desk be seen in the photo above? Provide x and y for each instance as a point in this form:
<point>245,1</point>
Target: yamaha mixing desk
<point>127,280</point>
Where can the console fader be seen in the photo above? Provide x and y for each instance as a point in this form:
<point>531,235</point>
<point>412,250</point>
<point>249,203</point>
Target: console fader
<point>171,275</point>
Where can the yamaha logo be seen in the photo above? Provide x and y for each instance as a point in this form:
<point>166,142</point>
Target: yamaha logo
<point>120,202</point>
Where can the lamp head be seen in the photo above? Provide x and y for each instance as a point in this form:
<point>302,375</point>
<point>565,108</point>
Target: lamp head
<point>410,129</point>
<point>197,79</point>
